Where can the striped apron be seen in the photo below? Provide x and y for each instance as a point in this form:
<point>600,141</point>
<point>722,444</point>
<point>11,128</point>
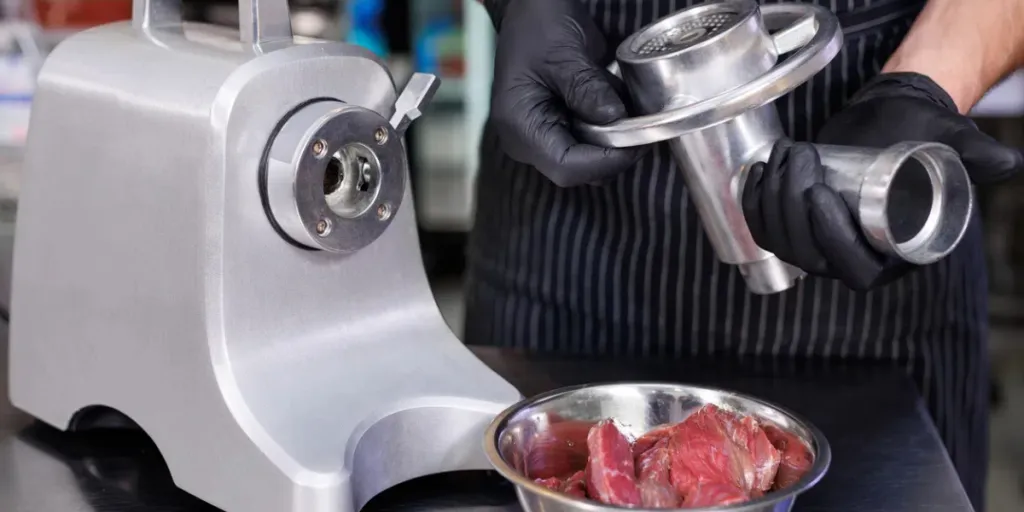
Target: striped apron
<point>625,270</point>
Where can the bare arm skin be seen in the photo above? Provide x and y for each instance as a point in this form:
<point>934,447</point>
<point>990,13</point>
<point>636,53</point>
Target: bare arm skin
<point>965,46</point>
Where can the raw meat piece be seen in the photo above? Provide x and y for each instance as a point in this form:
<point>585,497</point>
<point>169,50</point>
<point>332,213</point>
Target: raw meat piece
<point>713,458</point>
<point>654,464</point>
<point>654,494</point>
<point>746,432</point>
<point>766,458</point>
<point>796,458</point>
<point>652,471</point>
<point>703,451</point>
<point>651,438</point>
<point>611,477</point>
<point>713,494</point>
<point>551,483</point>
<point>558,451</point>
<point>576,485</point>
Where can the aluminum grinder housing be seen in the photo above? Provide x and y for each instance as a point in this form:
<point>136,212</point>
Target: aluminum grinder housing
<point>704,80</point>
<point>215,239</point>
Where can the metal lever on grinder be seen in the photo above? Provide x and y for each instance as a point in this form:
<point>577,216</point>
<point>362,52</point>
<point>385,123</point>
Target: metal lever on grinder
<point>409,105</point>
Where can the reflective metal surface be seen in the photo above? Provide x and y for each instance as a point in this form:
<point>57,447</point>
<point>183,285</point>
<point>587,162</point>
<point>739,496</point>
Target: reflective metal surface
<point>637,408</point>
<point>709,93</point>
<point>913,200</point>
<point>731,72</point>
<point>881,438</point>
<point>149,279</point>
<point>713,162</point>
<point>335,176</point>
<point>418,92</point>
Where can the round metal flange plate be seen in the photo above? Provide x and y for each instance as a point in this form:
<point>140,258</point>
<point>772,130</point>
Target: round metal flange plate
<point>335,176</point>
<point>686,29</point>
<point>812,31</point>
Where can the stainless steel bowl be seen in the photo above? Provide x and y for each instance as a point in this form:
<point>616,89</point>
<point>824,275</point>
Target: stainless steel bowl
<point>637,407</point>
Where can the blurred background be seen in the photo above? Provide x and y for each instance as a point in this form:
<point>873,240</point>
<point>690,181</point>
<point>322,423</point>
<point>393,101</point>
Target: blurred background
<point>454,39</point>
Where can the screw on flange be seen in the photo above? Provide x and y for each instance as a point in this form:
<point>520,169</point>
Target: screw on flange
<point>383,211</point>
<point>323,227</point>
<point>319,148</point>
<point>381,135</point>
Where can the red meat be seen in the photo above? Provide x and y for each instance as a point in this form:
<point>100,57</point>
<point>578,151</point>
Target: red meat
<point>796,457</point>
<point>654,464</point>
<point>746,432</point>
<point>576,485</point>
<point>713,494</point>
<point>653,473</point>
<point>712,458</point>
<point>651,438</point>
<point>654,494</point>
<point>611,477</point>
<point>703,451</point>
<point>766,458</point>
<point>558,451</point>
<point>552,483</point>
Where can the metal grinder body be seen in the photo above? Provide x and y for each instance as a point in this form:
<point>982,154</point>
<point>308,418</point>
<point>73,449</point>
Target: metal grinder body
<point>155,274</point>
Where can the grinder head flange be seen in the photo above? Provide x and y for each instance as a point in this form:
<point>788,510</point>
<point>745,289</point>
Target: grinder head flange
<point>334,176</point>
<point>708,64</point>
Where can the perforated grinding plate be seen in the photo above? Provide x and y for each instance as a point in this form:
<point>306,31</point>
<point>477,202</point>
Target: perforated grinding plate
<point>685,29</point>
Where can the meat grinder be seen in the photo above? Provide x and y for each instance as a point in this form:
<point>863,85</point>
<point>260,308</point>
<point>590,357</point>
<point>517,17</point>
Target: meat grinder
<point>240,274</point>
<point>704,80</point>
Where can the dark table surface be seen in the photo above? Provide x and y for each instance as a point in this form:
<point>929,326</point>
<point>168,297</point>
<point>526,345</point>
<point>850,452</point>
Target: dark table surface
<point>886,454</point>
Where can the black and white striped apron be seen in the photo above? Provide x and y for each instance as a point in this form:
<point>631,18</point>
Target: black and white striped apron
<point>624,269</point>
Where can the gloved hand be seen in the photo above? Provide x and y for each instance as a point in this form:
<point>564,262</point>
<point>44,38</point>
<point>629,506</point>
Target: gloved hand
<point>792,213</point>
<point>550,68</point>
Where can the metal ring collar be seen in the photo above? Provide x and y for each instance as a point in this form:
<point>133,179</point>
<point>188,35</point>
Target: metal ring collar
<point>335,176</point>
<point>817,37</point>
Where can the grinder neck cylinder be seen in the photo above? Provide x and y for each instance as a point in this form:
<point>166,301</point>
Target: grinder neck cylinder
<point>714,164</point>
<point>693,56</point>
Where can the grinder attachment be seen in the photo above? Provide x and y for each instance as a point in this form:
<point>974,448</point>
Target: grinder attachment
<point>704,80</point>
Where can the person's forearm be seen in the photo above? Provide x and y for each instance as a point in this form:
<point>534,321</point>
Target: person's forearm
<point>965,46</point>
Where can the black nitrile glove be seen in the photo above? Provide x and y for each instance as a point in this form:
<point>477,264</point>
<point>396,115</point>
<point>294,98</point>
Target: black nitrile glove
<point>550,69</point>
<point>792,213</point>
